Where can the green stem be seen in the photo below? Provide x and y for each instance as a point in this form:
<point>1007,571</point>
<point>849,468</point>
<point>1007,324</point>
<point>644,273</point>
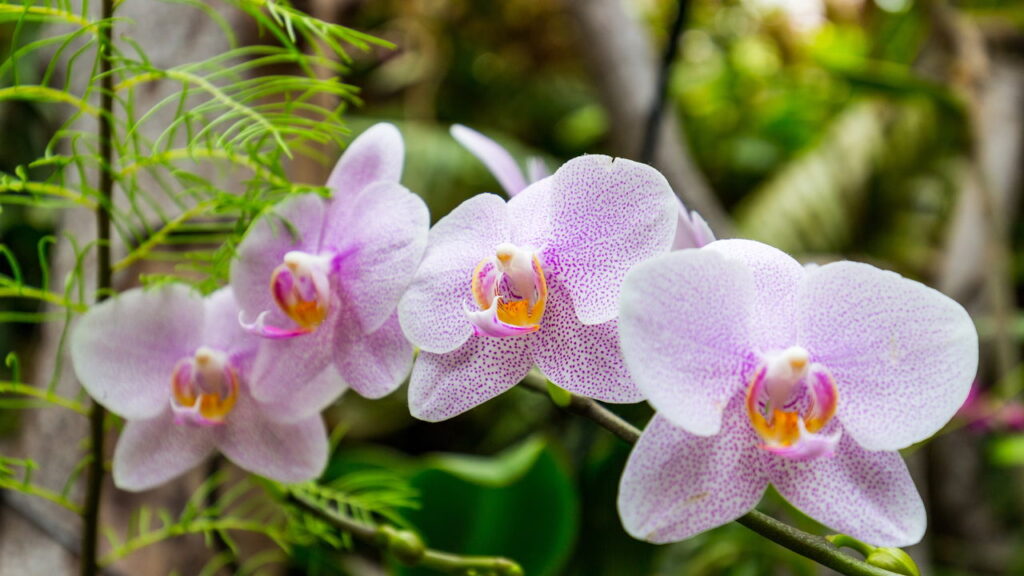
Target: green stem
<point>816,548</point>
<point>406,546</point>
<point>104,282</point>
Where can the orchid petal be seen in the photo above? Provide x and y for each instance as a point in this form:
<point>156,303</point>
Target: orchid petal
<point>221,329</point>
<point>494,156</point>
<point>607,215</point>
<point>868,495</point>
<point>584,359</point>
<point>536,169</point>
<point>446,385</point>
<point>292,225</point>
<point>684,328</point>
<point>777,279</point>
<point>691,230</point>
<point>530,216</point>
<point>280,451</point>
<point>432,310</point>
<point>125,349</point>
<point>153,451</point>
<point>286,368</point>
<point>903,355</point>
<point>375,364</point>
<point>375,156</point>
<point>381,238</point>
<point>319,391</point>
<point>677,485</point>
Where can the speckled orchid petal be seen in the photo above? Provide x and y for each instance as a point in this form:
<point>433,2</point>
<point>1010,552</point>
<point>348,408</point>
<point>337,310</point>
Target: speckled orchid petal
<point>374,364</point>
<point>903,355</point>
<point>677,484</point>
<point>380,240</point>
<point>494,156</point>
<point>294,225</point>
<point>777,280</point>
<point>432,311</point>
<point>684,328</point>
<point>607,215</point>
<point>125,349</point>
<point>868,495</point>
<point>286,452</point>
<point>152,451</point>
<point>530,217</point>
<point>584,359</point>
<point>446,385</point>
<point>376,155</point>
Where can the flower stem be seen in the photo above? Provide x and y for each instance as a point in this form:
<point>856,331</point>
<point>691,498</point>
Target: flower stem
<point>104,283</point>
<point>652,129</point>
<point>406,546</point>
<point>816,548</point>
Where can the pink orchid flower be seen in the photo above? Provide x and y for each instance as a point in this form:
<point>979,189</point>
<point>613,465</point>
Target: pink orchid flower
<point>762,371</point>
<point>504,286</point>
<point>691,230</point>
<point>320,279</point>
<point>178,368</point>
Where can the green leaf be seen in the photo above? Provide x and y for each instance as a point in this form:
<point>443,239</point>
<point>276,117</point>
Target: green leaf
<point>502,470</point>
<point>530,517</point>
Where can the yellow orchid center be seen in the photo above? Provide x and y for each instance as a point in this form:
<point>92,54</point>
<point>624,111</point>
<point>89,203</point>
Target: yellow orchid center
<point>204,388</point>
<point>301,288</point>
<point>789,400</point>
<point>510,290</point>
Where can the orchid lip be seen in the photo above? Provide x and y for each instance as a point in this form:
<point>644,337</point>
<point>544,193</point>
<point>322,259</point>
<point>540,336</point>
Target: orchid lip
<point>301,288</point>
<point>789,400</point>
<point>510,291</point>
<point>204,388</point>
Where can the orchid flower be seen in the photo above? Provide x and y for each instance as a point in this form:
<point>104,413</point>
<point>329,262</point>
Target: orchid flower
<point>504,285</point>
<point>320,279</point>
<point>691,229</point>
<point>762,371</point>
<point>178,368</point>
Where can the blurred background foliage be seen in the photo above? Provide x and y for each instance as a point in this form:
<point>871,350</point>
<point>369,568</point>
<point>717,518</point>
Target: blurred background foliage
<point>824,127</point>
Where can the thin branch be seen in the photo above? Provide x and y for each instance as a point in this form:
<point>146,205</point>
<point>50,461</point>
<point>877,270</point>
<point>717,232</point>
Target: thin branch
<point>104,281</point>
<point>816,548</point>
<point>406,546</point>
<point>650,143</point>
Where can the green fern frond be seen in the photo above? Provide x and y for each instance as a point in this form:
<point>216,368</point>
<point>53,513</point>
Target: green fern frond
<point>222,516</point>
<point>9,480</point>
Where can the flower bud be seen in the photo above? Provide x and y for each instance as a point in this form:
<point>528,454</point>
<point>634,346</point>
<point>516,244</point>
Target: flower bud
<point>894,560</point>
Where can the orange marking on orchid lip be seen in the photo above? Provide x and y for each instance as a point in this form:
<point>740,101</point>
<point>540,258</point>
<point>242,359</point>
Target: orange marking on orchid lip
<point>476,286</point>
<point>824,402</point>
<point>781,428</point>
<point>215,398</point>
<point>307,314</point>
<point>525,312</point>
